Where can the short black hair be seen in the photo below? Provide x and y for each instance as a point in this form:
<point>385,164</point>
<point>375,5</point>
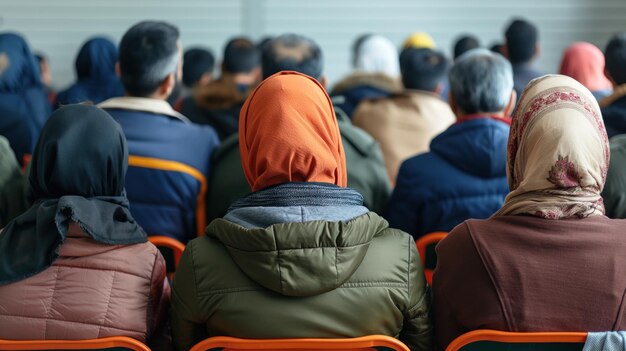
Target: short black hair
<point>241,55</point>
<point>40,57</point>
<point>148,54</point>
<point>521,41</point>
<point>615,58</point>
<point>292,52</point>
<point>422,68</point>
<point>497,48</point>
<point>464,44</point>
<point>263,41</point>
<point>196,62</point>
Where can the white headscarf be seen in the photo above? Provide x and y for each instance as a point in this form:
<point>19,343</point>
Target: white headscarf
<point>378,54</point>
<point>558,152</point>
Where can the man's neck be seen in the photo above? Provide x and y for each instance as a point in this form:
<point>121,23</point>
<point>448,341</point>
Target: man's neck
<point>155,96</point>
<point>243,79</point>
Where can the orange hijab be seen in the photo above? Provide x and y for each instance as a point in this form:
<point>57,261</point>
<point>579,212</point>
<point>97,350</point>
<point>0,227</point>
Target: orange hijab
<point>288,133</point>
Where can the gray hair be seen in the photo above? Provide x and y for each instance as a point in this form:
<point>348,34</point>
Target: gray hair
<point>481,81</point>
<point>292,52</point>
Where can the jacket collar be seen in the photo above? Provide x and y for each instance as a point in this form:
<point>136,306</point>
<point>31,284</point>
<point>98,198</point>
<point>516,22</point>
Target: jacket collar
<point>474,116</point>
<point>377,80</point>
<point>419,94</point>
<point>160,107</point>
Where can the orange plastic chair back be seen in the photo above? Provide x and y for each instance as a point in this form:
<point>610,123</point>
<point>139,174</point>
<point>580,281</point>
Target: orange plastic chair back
<point>422,245</point>
<point>119,342</point>
<point>165,242</point>
<point>517,338</point>
<point>173,166</point>
<point>169,243</point>
<point>369,342</point>
<point>26,162</point>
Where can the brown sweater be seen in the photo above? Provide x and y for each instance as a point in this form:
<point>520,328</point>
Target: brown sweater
<point>403,124</point>
<point>522,273</point>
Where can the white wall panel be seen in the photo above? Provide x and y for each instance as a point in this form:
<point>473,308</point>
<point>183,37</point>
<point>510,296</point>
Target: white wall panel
<point>58,27</point>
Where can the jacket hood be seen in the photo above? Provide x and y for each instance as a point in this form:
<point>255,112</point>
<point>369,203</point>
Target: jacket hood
<point>220,94</point>
<point>477,146</point>
<point>379,81</point>
<point>299,259</point>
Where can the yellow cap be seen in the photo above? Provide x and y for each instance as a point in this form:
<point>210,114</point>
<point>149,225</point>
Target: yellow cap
<point>419,40</point>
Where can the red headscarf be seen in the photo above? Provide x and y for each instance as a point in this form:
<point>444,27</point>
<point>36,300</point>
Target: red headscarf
<point>585,63</point>
<point>288,133</point>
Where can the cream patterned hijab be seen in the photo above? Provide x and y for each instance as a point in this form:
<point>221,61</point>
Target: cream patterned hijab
<point>558,152</point>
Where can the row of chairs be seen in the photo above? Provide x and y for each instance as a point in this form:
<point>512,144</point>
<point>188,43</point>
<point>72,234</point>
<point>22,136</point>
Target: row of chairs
<point>478,340</point>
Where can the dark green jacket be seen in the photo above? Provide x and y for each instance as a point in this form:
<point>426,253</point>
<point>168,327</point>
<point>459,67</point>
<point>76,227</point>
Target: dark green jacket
<point>305,279</point>
<point>12,185</point>
<point>614,193</point>
<point>364,159</point>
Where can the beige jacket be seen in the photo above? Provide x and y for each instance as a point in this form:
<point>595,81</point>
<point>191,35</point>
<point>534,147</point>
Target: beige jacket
<point>92,290</point>
<point>403,124</point>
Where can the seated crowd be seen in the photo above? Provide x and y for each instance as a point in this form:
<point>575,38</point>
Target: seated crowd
<point>299,204</point>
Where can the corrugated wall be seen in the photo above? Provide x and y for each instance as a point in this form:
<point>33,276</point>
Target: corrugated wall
<point>58,27</point>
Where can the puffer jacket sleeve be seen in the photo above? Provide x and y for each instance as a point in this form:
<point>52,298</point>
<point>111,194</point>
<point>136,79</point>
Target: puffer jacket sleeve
<point>417,330</point>
<point>160,292</point>
<point>188,327</point>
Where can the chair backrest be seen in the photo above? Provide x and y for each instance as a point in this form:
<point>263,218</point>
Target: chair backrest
<point>492,340</point>
<point>174,166</point>
<point>426,248</point>
<point>165,244</point>
<point>370,342</point>
<point>110,343</point>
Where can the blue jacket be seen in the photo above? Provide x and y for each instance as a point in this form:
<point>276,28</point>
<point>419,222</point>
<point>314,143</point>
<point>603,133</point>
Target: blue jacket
<point>21,89</point>
<point>462,177</point>
<point>614,116</point>
<point>164,201</point>
<point>15,127</point>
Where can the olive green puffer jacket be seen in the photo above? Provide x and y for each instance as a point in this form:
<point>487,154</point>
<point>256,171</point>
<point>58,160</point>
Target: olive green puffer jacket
<point>307,279</point>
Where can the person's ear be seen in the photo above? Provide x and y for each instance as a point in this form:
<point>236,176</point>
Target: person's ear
<point>118,70</point>
<point>504,50</point>
<point>453,106</point>
<point>256,73</point>
<point>537,50</point>
<point>322,81</point>
<point>167,86</point>
<point>508,110</point>
<point>205,79</point>
<point>438,89</point>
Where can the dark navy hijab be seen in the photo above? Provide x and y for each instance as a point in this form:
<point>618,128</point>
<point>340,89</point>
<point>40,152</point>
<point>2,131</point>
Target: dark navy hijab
<point>20,83</point>
<point>95,69</point>
<point>20,71</point>
<point>77,174</point>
